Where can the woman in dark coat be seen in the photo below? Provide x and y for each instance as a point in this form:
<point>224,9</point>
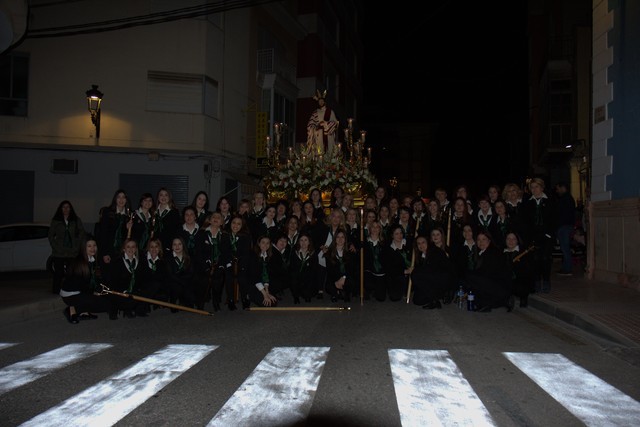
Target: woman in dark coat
<point>66,235</point>
<point>167,218</point>
<point>519,261</point>
<point>124,277</point>
<point>304,269</point>
<point>260,292</point>
<point>375,252</point>
<point>396,262</point>
<point>490,282</point>
<point>115,222</point>
<point>209,265</point>
<point>81,286</point>
<point>152,276</point>
<point>180,275</point>
<point>236,252</point>
<point>433,276</point>
<point>341,275</point>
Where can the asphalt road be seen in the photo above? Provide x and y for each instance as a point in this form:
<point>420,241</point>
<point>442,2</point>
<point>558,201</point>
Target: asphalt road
<point>384,364</point>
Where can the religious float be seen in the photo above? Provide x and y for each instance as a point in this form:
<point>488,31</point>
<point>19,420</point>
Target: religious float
<point>295,171</point>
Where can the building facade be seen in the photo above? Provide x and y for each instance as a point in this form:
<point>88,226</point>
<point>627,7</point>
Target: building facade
<point>190,88</point>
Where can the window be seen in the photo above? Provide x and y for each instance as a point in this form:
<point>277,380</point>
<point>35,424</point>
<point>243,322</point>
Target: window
<point>182,93</point>
<point>14,84</point>
<point>283,112</point>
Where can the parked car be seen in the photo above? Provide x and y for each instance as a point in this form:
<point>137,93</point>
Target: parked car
<point>25,247</point>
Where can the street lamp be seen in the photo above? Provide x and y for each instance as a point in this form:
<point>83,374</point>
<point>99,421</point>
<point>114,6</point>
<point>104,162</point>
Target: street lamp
<point>94,98</point>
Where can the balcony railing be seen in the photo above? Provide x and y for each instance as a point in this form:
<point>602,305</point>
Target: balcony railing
<point>270,63</point>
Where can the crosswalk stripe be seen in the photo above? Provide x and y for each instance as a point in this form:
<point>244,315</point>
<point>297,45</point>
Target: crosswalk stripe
<point>29,370</point>
<point>593,401</point>
<point>431,390</point>
<point>4,345</point>
<point>279,391</point>
<point>110,400</point>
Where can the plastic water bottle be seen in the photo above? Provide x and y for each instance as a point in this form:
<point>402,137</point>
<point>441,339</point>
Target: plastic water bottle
<point>471,302</point>
<point>460,297</point>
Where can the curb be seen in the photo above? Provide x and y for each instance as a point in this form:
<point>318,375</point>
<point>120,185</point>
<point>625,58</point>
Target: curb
<point>579,320</point>
<point>29,311</point>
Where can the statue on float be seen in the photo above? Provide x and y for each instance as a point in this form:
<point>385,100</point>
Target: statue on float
<point>322,127</point>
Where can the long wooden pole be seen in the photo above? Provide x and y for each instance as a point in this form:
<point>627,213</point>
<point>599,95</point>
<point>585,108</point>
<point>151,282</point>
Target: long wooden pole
<point>413,259</point>
<point>155,301</point>
<point>449,227</point>
<point>299,308</point>
<point>362,243</point>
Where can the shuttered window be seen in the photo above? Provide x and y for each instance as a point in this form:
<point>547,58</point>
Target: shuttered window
<point>182,93</point>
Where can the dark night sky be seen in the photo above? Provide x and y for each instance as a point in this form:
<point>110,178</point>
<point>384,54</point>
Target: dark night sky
<point>461,66</point>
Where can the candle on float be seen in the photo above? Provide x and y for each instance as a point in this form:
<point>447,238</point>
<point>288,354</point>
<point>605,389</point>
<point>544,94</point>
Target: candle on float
<point>304,160</point>
<point>288,163</point>
<point>362,135</point>
<point>290,152</point>
<point>350,121</point>
<point>268,141</point>
<point>369,153</point>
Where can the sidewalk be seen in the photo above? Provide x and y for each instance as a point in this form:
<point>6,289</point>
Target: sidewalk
<point>603,309</point>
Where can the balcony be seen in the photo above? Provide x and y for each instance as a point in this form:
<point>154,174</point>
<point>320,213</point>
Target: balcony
<point>270,63</point>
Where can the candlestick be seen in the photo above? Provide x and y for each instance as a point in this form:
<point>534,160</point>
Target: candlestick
<point>362,135</point>
<point>290,152</point>
<point>369,152</point>
<point>350,121</point>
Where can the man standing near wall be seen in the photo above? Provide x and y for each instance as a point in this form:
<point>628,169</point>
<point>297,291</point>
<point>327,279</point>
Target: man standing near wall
<point>566,223</point>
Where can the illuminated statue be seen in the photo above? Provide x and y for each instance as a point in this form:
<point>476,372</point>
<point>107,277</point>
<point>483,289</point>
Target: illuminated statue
<point>321,127</point>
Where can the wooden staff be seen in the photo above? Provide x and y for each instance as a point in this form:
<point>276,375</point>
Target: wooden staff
<point>130,215</point>
<point>153,226</point>
<point>449,228</point>
<point>362,243</point>
<point>236,284</point>
<point>413,259</point>
<point>299,309</point>
<point>106,290</point>
<point>519,257</point>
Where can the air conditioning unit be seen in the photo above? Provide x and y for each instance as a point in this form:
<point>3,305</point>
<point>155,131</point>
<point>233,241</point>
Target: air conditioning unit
<point>64,166</point>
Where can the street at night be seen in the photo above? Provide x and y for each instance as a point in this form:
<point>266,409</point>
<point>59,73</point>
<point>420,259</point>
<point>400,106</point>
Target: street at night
<point>381,364</point>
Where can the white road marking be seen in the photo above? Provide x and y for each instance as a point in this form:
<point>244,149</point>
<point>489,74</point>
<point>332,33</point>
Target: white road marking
<point>110,400</point>
<point>593,401</point>
<point>431,390</point>
<point>279,391</point>
<point>4,345</point>
<point>29,370</point>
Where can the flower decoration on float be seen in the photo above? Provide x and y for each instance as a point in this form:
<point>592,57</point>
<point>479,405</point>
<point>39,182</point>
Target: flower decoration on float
<point>295,171</point>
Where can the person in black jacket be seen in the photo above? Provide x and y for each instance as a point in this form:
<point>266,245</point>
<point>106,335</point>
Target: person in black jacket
<point>167,218</point>
<point>304,269</point>
<point>236,252</point>
<point>180,275</point>
<point>260,291</point>
<point>152,279</point>
<point>375,252</point>
<point>397,264</point>
<point>209,264</point>
<point>539,220</point>
<point>433,275</point>
<point>566,221</point>
<point>341,277</point>
<point>115,221</point>
<point>519,262</point>
<point>124,277</point>
<point>490,282</point>
<point>81,287</point>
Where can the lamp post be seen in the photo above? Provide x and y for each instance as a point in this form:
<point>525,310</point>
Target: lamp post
<point>94,99</point>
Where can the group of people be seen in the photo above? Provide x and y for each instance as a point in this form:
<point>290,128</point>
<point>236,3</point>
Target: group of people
<point>497,247</point>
